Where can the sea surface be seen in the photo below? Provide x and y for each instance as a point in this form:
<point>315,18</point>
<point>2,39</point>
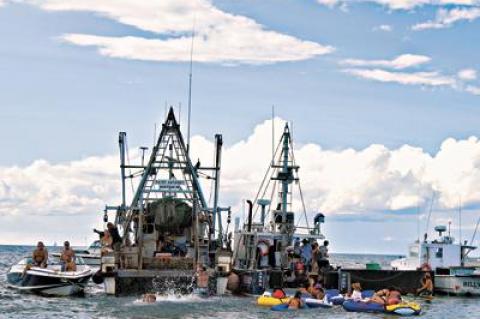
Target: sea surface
<point>95,304</point>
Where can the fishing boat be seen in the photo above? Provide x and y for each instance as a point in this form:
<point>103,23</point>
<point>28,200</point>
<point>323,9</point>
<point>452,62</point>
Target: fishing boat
<point>50,281</point>
<point>447,259</point>
<point>264,248</point>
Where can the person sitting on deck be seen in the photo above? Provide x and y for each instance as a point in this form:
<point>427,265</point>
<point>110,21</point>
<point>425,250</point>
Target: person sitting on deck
<point>40,255</point>
<point>67,255</point>
<point>70,264</point>
<point>296,302</point>
<point>356,292</point>
<point>427,285</point>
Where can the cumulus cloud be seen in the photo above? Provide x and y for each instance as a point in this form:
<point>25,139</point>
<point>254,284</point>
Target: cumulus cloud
<point>467,74</point>
<point>337,182</point>
<point>446,18</point>
<point>220,37</point>
<point>400,62</point>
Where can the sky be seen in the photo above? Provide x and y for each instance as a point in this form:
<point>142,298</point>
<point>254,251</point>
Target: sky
<point>383,97</point>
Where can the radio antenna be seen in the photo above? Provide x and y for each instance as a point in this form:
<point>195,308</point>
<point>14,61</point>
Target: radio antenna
<point>189,110</point>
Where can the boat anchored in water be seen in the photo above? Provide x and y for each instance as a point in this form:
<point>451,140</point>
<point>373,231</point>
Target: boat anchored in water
<point>447,260</point>
<point>51,281</point>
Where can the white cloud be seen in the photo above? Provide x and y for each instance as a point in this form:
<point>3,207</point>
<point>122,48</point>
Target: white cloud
<point>383,27</point>
<point>473,89</point>
<point>467,74</point>
<point>403,4</point>
<point>446,18</point>
<point>221,37</point>
<point>400,62</point>
<point>336,182</point>
<point>414,78</point>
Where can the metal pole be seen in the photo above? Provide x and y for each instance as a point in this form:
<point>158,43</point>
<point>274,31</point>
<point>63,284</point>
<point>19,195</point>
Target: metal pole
<point>121,141</point>
<point>140,233</point>
<point>218,159</point>
<point>189,111</point>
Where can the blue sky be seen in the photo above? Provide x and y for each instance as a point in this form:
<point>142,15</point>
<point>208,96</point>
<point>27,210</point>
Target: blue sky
<point>64,101</point>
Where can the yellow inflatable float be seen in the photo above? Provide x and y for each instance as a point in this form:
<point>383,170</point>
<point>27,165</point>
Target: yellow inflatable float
<point>267,300</point>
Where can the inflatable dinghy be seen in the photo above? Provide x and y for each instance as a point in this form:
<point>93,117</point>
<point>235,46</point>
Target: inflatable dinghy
<point>403,309</point>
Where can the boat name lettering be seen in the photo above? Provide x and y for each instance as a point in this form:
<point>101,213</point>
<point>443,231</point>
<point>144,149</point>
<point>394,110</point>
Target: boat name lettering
<point>472,284</point>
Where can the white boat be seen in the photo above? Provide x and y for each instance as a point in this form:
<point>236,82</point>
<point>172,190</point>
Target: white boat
<point>50,281</point>
<point>91,256</point>
<point>447,260</point>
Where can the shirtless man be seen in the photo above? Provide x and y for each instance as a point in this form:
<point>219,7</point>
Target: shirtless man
<point>67,256</point>
<point>202,280</point>
<point>427,285</point>
<point>40,255</point>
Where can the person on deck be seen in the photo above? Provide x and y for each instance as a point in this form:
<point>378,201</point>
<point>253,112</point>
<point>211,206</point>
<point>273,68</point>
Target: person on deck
<point>315,258</point>
<point>67,256</point>
<point>306,253</point>
<point>70,264</point>
<point>40,255</point>
<point>116,239</point>
<point>427,286</point>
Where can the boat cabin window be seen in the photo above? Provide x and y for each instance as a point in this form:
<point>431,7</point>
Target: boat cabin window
<point>439,253</point>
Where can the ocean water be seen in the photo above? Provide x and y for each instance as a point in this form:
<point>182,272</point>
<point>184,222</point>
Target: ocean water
<point>97,305</point>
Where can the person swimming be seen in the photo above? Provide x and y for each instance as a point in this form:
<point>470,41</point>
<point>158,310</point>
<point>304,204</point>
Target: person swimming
<point>40,255</point>
<point>149,298</point>
<point>296,302</point>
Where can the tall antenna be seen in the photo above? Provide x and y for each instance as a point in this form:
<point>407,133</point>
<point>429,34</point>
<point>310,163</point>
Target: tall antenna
<point>189,112</point>
<point>273,135</point>
<point>460,219</point>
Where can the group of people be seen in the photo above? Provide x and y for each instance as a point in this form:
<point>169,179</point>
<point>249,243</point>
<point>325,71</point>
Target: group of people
<point>67,257</point>
<point>385,297</point>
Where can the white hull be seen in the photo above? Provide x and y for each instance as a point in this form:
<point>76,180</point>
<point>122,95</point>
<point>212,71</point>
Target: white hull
<point>457,285</point>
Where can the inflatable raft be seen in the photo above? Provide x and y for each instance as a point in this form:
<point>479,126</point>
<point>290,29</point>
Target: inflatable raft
<point>267,300</point>
<point>403,309</point>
